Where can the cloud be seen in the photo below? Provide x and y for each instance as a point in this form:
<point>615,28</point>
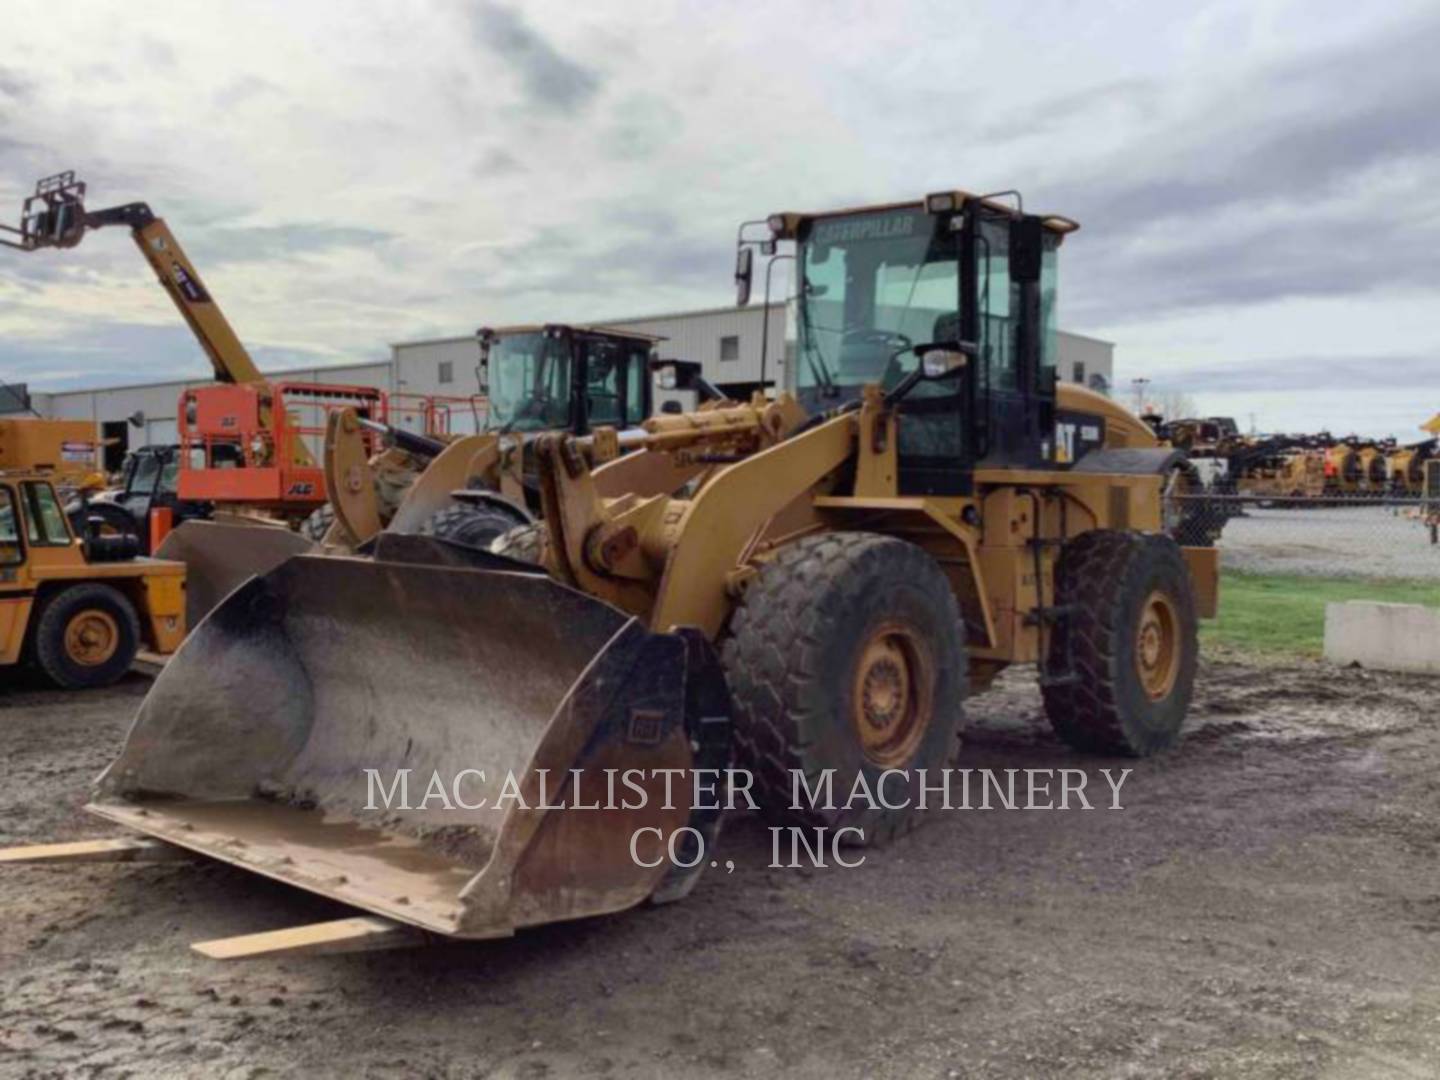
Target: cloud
<point>496,161</point>
<point>15,86</point>
<point>1317,374</point>
<point>1306,176</point>
<point>552,80</point>
<point>257,243</point>
<point>644,125</point>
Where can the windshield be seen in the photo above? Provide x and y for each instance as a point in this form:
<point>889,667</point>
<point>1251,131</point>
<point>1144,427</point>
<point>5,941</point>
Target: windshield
<point>143,474</point>
<point>529,377</point>
<point>871,285</point>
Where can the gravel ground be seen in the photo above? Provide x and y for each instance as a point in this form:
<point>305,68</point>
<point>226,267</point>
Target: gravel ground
<point>1359,541</point>
<point>1265,905</point>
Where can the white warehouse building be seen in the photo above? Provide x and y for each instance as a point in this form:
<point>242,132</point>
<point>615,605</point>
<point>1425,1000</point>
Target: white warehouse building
<point>728,343</point>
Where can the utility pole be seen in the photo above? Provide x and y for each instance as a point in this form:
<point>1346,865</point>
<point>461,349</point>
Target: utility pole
<point>1139,385</point>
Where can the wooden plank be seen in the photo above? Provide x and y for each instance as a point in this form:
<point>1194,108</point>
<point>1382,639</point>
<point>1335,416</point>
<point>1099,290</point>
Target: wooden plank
<point>149,663</point>
<point>110,849</point>
<point>358,934</point>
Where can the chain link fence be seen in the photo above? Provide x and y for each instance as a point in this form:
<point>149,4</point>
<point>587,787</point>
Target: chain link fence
<point>1350,536</point>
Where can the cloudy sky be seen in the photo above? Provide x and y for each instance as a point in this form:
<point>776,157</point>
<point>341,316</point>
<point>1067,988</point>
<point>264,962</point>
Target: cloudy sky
<point>1258,182</point>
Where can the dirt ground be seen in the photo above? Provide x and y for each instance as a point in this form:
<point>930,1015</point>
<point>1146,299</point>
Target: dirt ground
<point>1267,904</point>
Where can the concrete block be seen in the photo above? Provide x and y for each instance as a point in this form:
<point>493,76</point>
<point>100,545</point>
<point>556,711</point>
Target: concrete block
<point>1387,637</point>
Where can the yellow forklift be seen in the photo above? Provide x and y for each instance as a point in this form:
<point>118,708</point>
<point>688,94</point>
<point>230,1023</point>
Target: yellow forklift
<point>78,608</point>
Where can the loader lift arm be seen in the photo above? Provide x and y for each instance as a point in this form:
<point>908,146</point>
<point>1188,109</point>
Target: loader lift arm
<point>55,216</point>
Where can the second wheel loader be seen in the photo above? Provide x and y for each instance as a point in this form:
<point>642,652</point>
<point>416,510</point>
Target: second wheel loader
<point>932,509</point>
<point>554,377</point>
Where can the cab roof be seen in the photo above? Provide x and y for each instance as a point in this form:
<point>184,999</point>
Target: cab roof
<point>1055,223</point>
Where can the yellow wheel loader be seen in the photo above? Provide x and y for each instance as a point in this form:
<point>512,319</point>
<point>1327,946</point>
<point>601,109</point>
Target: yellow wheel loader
<point>539,378</point>
<point>469,489</point>
<point>840,570</point>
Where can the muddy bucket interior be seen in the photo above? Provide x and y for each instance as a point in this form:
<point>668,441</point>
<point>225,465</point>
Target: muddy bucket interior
<point>438,744</point>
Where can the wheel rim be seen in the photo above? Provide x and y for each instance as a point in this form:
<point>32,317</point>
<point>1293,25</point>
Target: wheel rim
<point>1157,646</point>
<point>92,637</point>
<point>891,699</point>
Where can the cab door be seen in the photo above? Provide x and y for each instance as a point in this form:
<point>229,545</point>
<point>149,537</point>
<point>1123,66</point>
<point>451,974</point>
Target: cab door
<point>1014,325</point>
<point>16,590</point>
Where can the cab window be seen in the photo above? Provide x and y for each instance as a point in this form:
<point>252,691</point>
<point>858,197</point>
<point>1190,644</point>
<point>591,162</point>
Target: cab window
<point>11,552</point>
<point>637,377</point>
<point>44,520</point>
<point>170,476</point>
<point>604,365</point>
<point>143,474</point>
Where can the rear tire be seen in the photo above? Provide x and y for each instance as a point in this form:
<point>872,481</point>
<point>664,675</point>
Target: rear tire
<point>1131,641</point>
<point>87,636</point>
<point>469,524</point>
<point>846,653</point>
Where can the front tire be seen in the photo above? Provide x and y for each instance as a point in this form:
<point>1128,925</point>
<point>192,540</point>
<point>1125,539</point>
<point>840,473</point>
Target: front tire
<point>87,636</point>
<point>1122,662</point>
<point>846,653</point>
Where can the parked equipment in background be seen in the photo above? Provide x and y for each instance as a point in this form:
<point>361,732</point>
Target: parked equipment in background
<point>149,484</point>
<point>1431,499</point>
<point>245,445</point>
<point>1407,464</point>
<point>932,509</point>
<point>538,378</point>
<point>79,608</point>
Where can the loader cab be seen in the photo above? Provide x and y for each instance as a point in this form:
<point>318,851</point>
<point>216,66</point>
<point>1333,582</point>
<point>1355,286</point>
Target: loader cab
<point>875,286</point>
<point>564,378</point>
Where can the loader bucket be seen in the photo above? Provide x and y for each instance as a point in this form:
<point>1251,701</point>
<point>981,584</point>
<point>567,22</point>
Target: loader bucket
<point>401,735</point>
<point>219,556</point>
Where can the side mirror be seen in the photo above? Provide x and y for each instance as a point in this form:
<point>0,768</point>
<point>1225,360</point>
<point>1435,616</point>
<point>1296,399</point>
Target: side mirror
<point>938,360</point>
<point>942,363</point>
<point>744,272</point>
<point>685,375</point>
<point>944,359</point>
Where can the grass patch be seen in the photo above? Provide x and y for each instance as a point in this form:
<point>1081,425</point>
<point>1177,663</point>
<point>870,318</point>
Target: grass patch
<point>1286,612</point>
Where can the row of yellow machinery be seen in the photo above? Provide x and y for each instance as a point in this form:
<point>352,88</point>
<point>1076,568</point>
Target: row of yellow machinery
<point>811,583</point>
<point>1305,466</point>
